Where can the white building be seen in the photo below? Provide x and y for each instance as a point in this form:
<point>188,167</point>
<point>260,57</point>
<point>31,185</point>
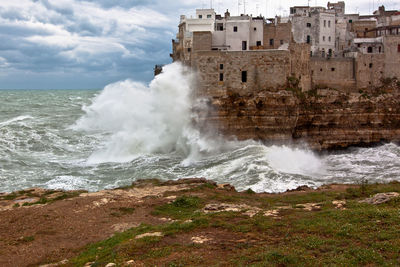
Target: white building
<point>238,33</point>
<point>228,33</point>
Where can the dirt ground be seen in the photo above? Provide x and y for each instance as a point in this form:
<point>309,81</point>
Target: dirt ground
<point>41,226</point>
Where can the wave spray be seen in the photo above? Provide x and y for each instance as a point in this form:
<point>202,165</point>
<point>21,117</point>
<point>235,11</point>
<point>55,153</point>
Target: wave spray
<point>142,120</point>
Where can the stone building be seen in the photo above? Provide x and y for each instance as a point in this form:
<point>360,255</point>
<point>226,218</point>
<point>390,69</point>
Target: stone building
<point>243,54</point>
<point>277,33</point>
<point>314,26</point>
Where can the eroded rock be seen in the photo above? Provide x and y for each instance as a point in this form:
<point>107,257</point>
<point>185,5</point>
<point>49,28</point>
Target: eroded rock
<point>380,198</point>
<point>155,234</point>
<point>200,239</point>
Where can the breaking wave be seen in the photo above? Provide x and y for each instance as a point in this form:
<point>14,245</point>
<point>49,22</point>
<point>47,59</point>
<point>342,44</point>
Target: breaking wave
<point>143,120</point>
<point>131,131</point>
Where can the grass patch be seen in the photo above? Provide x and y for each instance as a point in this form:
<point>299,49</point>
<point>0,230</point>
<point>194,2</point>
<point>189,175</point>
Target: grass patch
<point>184,207</point>
<point>361,235</point>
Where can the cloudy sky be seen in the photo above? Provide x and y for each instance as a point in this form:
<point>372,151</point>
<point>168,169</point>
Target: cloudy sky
<point>72,44</point>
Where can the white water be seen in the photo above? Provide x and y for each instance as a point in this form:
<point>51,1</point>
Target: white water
<point>146,120</point>
<point>149,121</point>
<point>131,131</point>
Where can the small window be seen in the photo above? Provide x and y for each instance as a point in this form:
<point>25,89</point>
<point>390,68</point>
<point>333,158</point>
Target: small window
<point>244,45</point>
<point>329,23</point>
<point>281,42</point>
<point>308,25</point>
<point>258,43</point>
<point>209,16</point>
<point>350,21</point>
<point>255,29</point>
<point>380,49</point>
<point>369,49</point>
<point>235,28</point>
<point>189,49</point>
<point>221,77</point>
<point>200,16</point>
<point>220,27</point>
<point>370,65</point>
<point>332,69</point>
<point>320,69</point>
<point>324,23</point>
<point>330,38</point>
<point>323,38</point>
<point>271,42</point>
<point>308,39</point>
<point>244,76</point>
<point>221,66</point>
<point>398,48</point>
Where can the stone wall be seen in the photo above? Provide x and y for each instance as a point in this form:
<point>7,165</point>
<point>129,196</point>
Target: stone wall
<point>202,41</point>
<point>280,34</point>
<point>267,69</point>
<point>369,70</point>
<point>392,56</point>
<point>336,73</point>
<point>361,28</point>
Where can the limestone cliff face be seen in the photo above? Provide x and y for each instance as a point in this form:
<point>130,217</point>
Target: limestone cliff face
<point>322,118</point>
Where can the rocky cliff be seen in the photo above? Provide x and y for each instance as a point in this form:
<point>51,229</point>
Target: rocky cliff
<point>322,118</point>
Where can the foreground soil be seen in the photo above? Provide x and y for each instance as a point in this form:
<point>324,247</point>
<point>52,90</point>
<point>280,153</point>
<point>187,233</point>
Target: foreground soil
<point>194,222</point>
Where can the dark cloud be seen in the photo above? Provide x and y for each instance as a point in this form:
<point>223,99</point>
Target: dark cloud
<point>90,43</point>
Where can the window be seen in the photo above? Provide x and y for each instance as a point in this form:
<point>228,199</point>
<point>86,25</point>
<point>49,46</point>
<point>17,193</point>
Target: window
<point>255,29</point>
<point>369,49</point>
<point>235,28</point>
<point>220,27</point>
<point>324,23</point>
<point>308,25</point>
<point>244,45</point>
<point>258,43</point>
<point>350,21</point>
<point>281,42</point>
<point>329,23</point>
<point>380,49</point>
<point>200,16</point>
<point>271,42</point>
<point>209,16</point>
<point>308,39</point>
<point>330,38</point>
<point>332,69</point>
<point>221,77</point>
<point>398,48</point>
<point>244,76</point>
<point>221,66</point>
<point>189,49</point>
<point>323,38</point>
<point>370,65</point>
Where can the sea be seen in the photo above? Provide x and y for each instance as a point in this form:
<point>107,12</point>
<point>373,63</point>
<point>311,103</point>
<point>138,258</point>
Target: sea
<point>104,139</point>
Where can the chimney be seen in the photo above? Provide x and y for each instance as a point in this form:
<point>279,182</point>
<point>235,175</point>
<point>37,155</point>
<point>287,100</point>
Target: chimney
<point>227,14</point>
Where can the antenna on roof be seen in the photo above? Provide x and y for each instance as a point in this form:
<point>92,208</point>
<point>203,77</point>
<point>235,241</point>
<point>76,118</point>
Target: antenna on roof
<point>308,3</point>
<point>211,4</point>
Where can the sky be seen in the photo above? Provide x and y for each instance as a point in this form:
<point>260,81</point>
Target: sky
<point>87,44</point>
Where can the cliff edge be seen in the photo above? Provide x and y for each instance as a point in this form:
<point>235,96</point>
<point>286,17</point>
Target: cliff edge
<point>321,118</point>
